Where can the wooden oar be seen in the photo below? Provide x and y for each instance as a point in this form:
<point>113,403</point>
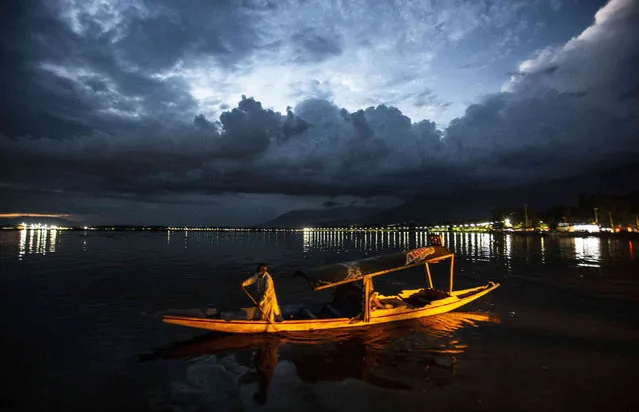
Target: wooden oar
<point>260,309</point>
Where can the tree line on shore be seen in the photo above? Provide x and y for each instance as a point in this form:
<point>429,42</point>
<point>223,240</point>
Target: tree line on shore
<point>604,210</point>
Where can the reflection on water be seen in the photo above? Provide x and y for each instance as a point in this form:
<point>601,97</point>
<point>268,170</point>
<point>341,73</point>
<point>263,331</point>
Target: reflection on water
<point>404,355</point>
<point>588,251</point>
<point>367,241</point>
<point>474,247</point>
<point>585,252</point>
<point>22,242</point>
<point>260,371</point>
<point>37,241</point>
<point>53,235</point>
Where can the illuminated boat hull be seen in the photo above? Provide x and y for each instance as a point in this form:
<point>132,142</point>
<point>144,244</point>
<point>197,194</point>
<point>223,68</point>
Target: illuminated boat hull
<point>239,321</point>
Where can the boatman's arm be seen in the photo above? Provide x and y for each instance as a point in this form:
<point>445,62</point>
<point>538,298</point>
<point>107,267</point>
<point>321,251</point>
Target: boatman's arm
<point>249,281</point>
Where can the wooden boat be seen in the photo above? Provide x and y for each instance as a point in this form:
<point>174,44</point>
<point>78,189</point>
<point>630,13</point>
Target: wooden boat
<point>440,330</point>
<point>345,312</point>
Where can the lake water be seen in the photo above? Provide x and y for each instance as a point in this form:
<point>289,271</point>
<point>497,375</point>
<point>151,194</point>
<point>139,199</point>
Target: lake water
<point>561,333</point>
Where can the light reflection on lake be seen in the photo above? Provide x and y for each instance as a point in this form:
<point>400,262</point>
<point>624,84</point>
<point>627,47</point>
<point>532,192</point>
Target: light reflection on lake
<point>586,251</point>
<point>37,241</point>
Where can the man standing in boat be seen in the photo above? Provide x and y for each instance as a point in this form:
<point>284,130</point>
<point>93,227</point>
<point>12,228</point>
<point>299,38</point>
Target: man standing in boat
<point>267,307</point>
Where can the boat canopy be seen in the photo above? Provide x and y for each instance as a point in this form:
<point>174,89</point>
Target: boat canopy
<point>327,276</point>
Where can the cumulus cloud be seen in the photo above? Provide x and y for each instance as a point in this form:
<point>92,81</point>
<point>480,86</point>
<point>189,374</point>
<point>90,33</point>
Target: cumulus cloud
<point>563,112</point>
<point>316,149</point>
<point>599,65</point>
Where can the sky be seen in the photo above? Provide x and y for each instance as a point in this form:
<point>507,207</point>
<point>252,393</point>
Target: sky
<point>233,112</point>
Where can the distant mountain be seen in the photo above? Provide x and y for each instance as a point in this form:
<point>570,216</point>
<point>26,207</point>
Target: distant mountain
<point>307,217</point>
<point>479,204</point>
<point>475,204</point>
<point>432,210</point>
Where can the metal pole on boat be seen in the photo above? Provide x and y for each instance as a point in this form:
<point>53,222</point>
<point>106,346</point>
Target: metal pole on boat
<point>452,264</point>
<point>430,279</point>
<point>368,283</point>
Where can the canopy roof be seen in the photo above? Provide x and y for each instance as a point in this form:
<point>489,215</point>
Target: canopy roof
<point>339,273</point>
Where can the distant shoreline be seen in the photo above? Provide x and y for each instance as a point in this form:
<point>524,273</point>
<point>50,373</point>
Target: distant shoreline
<point>603,235</point>
<point>549,234</point>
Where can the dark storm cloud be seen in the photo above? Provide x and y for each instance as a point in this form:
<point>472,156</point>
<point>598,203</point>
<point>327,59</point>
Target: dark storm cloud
<point>63,78</point>
<point>162,40</point>
<point>311,47</point>
<point>249,129</point>
<point>293,124</point>
<point>331,204</point>
<point>250,149</point>
<point>29,98</point>
<point>529,139</point>
<point>359,122</point>
<point>221,29</point>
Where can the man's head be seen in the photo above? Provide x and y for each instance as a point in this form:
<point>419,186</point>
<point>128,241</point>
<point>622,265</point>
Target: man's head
<point>261,268</point>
